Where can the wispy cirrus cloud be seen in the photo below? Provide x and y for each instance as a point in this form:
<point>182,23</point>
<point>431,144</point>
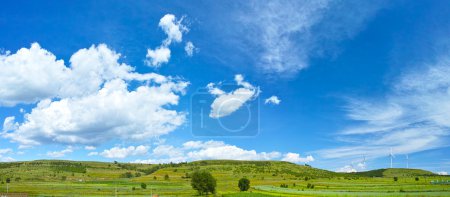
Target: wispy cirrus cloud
<point>413,117</point>
<point>287,34</point>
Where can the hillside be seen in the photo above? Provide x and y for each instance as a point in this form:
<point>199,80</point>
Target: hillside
<point>68,178</point>
<point>396,172</point>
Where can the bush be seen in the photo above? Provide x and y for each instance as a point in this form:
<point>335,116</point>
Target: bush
<point>203,182</point>
<point>395,178</point>
<point>244,184</point>
<point>284,185</point>
<point>143,186</point>
<point>166,177</point>
<point>417,178</point>
<point>126,175</point>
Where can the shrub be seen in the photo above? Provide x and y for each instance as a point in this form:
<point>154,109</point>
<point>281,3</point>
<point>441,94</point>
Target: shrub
<point>417,178</point>
<point>203,182</point>
<point>143,186</point>
<point>395,178</point>
<point>284,185</point>
<point>166,177</point>
<point>244,184</point>
<point>126,175</point>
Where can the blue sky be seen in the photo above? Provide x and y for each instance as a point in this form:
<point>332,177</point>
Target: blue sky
<point>108,81</point>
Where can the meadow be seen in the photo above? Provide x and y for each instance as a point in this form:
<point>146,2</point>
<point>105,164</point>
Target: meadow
<point>267,178</point>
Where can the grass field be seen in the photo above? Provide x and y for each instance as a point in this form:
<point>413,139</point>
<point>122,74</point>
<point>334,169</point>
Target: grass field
<point>73,178</point>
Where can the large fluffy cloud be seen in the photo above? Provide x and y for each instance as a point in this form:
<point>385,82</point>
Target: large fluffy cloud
<point>88,102</point>
<point>226,103</point>
<point>34,74</point>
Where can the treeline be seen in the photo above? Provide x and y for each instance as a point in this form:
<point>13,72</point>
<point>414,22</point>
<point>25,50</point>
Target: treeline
<point>68,167</point>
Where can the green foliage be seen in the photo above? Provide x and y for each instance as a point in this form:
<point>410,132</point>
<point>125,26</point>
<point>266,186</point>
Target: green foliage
<point>8,180</point>
<point>67,166</point>
<point>63,178</point>
<point>166,177</point>
<point>143,186</point>
<point>283,185</point>
<point>395,178</point>
<point>244,184</point>
<point>203,182</point>
<point>126,175</point>
<point>417,179</point>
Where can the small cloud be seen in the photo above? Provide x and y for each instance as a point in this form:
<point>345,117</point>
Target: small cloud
<point>442,173</point>
<point>227,103</point>
<point>61,153</point>
<point>190,48</point>
<point>120,153</point>
<point>272,100</point>
<point>174,30</point>
<point>89,148</point>
<point>295,158</point>
<point>158,56</point>
<point>347,169</point>
<point>93,154</point>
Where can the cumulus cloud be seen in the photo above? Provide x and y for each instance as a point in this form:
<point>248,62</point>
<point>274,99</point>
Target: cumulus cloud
<point>60,153</point>
<point>189,48</point>
<point>158,56</point>
<point>272,100</point>
<point>204,150</point>
<point>174,30</point>
<point>120,153</point>
<point>4,158</point>
<point>295,158</point>
<point>89,102</point>
<point>34,74</point>
<point>413,117</point>
<point>226,103</point>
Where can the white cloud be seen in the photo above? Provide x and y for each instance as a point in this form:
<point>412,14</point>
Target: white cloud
<point>174,30</point>
<point>113,112</point>
<point>120,153</point>
<point>92,153</point>
<point>32,75</point>
<point>89,148</point>
<point>272,100</point>
<point>189,48</point>
<point>61,153</point>
<point>413,117</point>
<point>347,169</point>
<point>204,150</point>
<point>5,151</point>
<point>158,56</point>
<point>295,158</point>
<point>286,34</point>
<point>227,103</point>
<point>442,173</point>
<point>92,103</point>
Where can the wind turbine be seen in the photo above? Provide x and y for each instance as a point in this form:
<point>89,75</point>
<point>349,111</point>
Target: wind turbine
<point>391,156</point>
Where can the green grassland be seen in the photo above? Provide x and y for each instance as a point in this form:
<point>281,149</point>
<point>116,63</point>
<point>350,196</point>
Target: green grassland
<point>77,178</point>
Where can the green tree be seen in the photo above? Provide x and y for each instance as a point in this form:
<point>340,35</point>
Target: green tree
<point>395,178</point>
<point>166,177</point>
<point>143,186</point>
<point>244,184</point>
<point>203,182</point>
<point>417,178</point>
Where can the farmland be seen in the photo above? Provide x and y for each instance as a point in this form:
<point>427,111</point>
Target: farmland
<point>75,178</point>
